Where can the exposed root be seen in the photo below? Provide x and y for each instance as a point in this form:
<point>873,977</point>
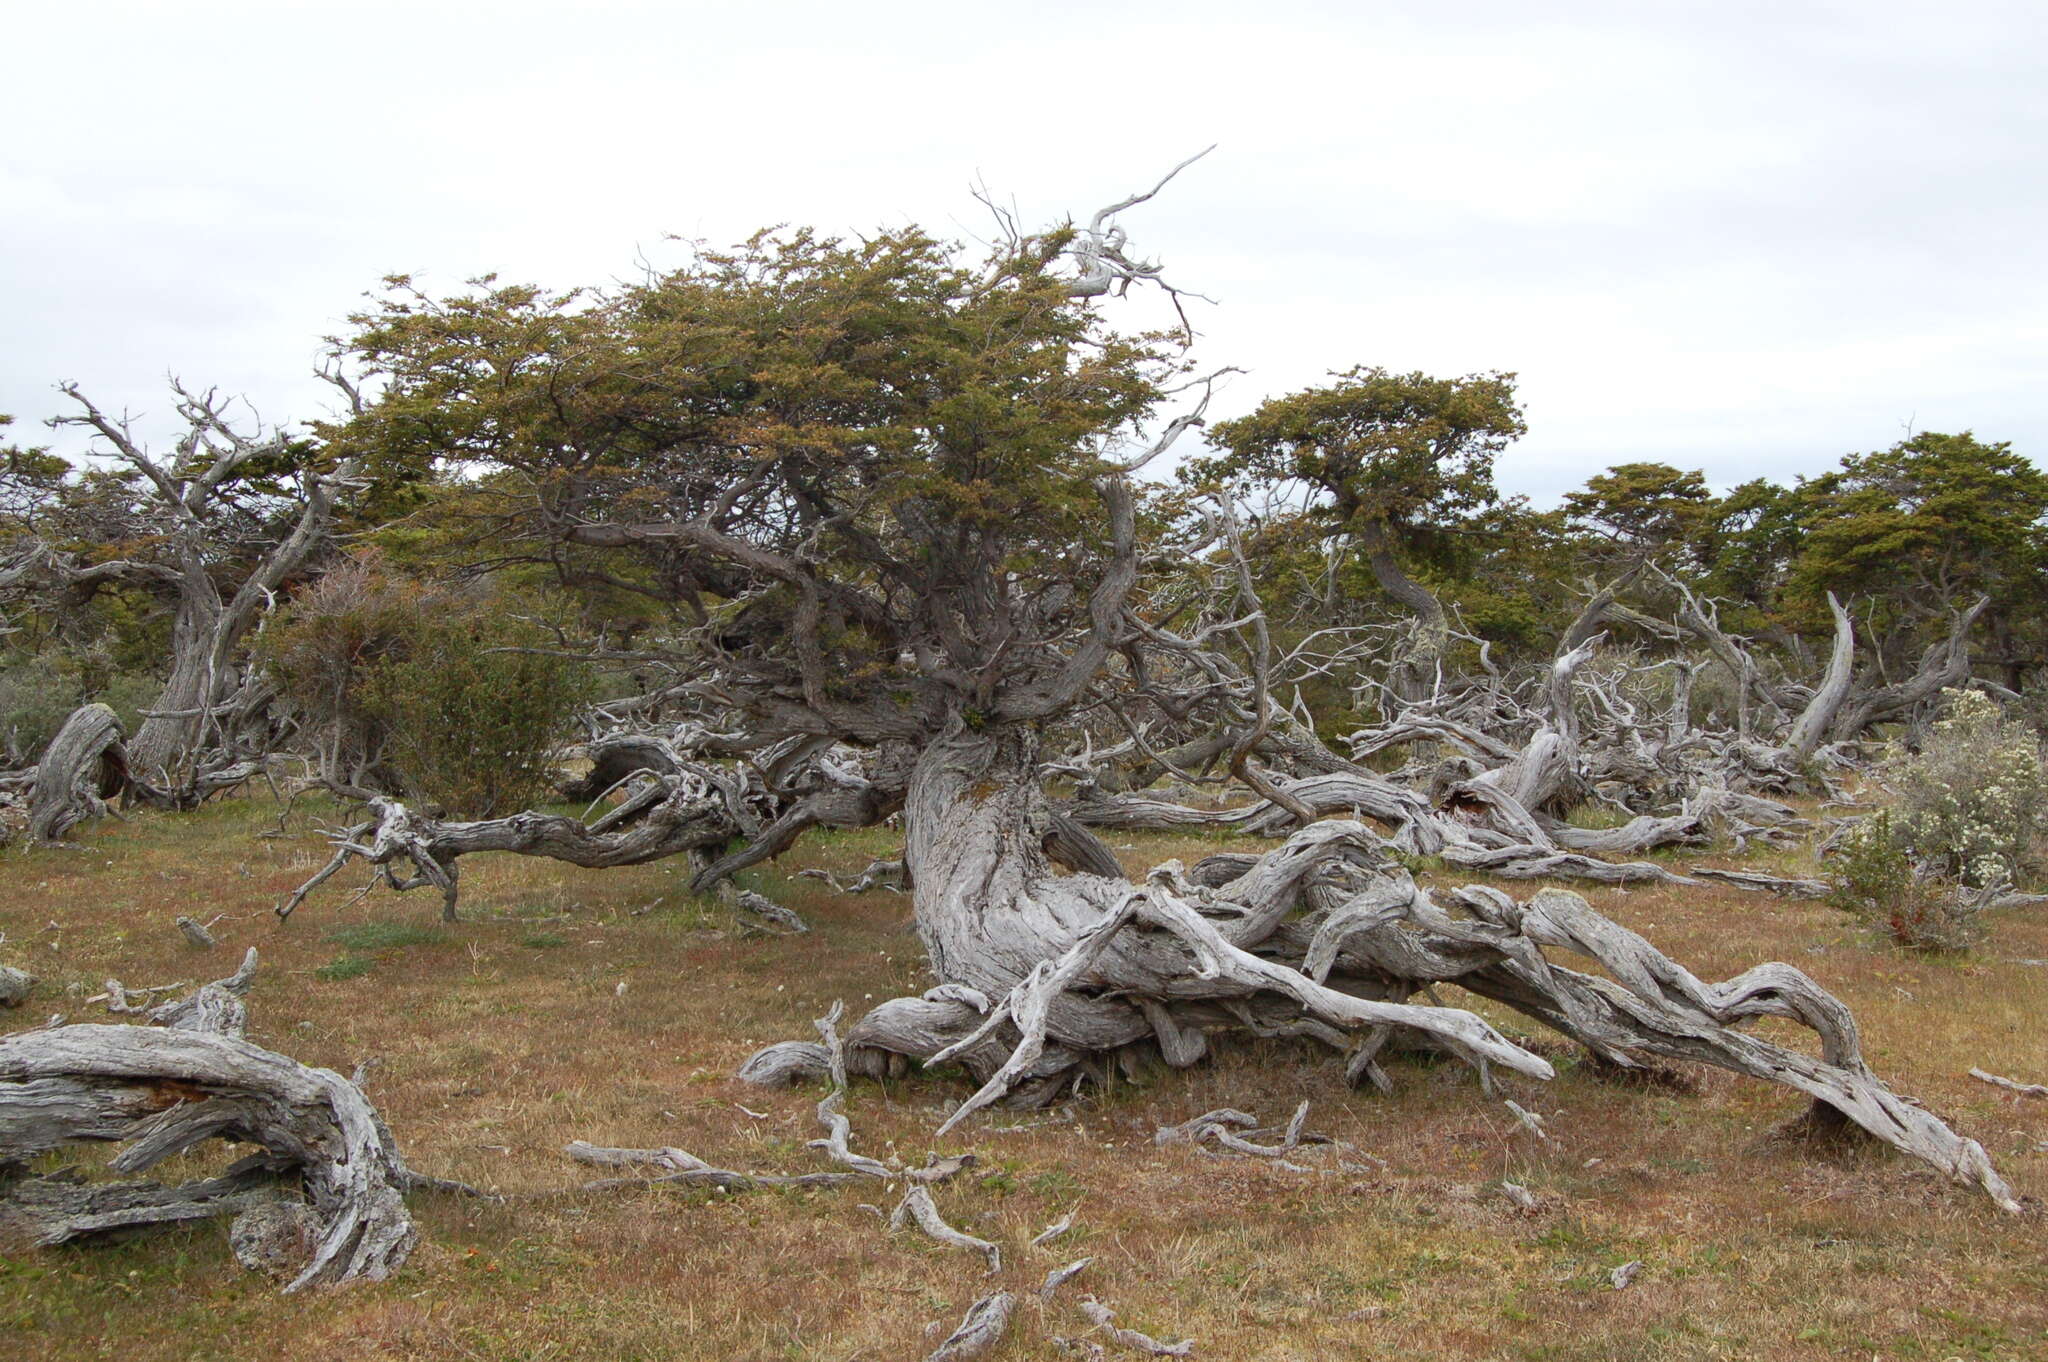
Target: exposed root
<point>1059,1277</point>
<point>785,1065</point>
<point>917,1207</point>
<point>1757,882</point>
<point>1105,1319</point>
<point>981,1332</point>
<point>886,874</point>
<point>679,1167</point>
<point>1053,1231</point>
<point>2022,1089</point>
<point>1323,938</point>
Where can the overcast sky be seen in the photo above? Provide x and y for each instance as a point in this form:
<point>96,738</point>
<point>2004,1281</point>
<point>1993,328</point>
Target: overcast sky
<point>1740,237</point>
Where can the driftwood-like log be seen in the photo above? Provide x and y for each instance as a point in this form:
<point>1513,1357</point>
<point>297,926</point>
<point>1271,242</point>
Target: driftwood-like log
<point>161,1091</point>
<point>1758,882</point>
<point>82,768</point>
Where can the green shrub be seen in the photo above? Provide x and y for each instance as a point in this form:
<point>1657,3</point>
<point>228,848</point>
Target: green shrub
<point>36,696</point>
<point>474,723</point>
<point>423,690</point>
<point>39,691</point>
<point>1875,878</point>
<point>1966,821</point>
<point>1971,805</point>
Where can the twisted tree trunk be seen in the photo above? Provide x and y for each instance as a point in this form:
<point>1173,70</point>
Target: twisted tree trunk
<point>1414,674</point>
<point>83,767</point>
<point>1044,976</point>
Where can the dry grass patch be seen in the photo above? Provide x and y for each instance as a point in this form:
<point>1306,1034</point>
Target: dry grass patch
<point>614,1007</point>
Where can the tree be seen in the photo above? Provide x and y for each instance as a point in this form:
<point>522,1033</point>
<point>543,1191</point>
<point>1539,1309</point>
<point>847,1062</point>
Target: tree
<point>1917,533</point>
<point>1398,462</point>
<point>887,488</point>
<point>1640,508</point>
<point>213,529</point>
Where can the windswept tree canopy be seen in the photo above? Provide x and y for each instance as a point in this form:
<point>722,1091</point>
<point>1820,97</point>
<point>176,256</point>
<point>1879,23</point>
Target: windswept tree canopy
<point>871,473</point>
<point>1402,453</point>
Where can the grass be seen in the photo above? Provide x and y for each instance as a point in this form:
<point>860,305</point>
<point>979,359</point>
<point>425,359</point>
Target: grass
<point>495,1049</point>
<point>385,936</point>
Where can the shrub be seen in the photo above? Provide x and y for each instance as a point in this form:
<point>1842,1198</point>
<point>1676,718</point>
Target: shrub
<point>1877,880</point>
<point>474,724</point>
<point>35,698</point>
<point>320,651</point>
<point>421,690</point>
<point>1970,806</point>
<point>38,693</point>
<point>1967,816</point>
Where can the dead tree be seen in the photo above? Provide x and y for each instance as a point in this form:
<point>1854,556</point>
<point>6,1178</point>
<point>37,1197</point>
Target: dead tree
<point>219,524</point>
<point>166,1088</point>
<point>918,533</point>
<point>84,766</point>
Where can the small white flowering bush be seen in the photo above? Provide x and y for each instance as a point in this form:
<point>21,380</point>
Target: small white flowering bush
<point>1970,808</point>
<point>1973,801</point>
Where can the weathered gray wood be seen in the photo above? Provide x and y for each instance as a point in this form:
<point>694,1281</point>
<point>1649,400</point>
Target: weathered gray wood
<point>980,1332</point>
<point>1758,882</point>
<point>161,1091</point>
<point>83,766</point>
<point>2022,1089</point>
<point>918,1208</point>
<point>678,1167</point>
<point>1105,1319</point>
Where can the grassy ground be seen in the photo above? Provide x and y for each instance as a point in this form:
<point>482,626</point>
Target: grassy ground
<point>612,1007</point>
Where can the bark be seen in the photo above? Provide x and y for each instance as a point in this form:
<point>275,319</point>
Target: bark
<point>1414,674</point>
<point>1045,975</point>
<point>164,1091</point>
<point>83,767</point>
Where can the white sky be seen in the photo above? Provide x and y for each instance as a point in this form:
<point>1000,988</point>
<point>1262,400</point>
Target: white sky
<point>1746,237</point>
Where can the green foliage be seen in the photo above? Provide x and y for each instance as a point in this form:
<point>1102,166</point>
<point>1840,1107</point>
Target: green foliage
<point>1876,880</point>
<point>432,690</point>
<point>1641,506</point>
<point>1947,515</point>
<point>1407,452</point>
<point>384,936</point>
<point>39,691</point>
<point>1966,821</point>
<point>1972,804</point>
<point>910,425</point>
<point>474,722</point>
<point>36,695</point>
